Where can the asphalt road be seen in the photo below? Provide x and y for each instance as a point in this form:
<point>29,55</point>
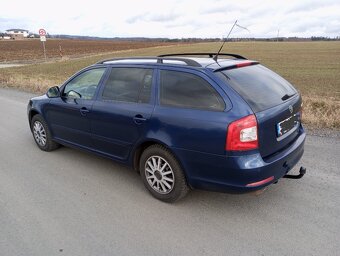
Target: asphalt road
<point>68,202</point>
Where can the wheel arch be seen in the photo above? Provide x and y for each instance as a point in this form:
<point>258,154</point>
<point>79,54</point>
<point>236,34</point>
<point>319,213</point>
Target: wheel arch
<point>139,149</point>
<point>31,114</point>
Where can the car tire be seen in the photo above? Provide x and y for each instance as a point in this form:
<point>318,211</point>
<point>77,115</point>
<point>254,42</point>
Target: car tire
<point>162,174</point>
<point>42,135</point>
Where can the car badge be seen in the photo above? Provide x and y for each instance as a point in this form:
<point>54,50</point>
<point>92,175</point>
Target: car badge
<point>291,109</point>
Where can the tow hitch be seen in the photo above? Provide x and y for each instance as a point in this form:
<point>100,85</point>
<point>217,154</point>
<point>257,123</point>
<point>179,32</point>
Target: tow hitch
<point>299,176</point>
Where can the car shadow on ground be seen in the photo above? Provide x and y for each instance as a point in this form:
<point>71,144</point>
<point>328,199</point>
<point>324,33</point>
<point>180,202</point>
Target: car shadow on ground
<point>123,176</point>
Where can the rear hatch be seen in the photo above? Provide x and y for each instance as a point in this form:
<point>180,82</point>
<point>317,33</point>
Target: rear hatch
<point>275,102</point>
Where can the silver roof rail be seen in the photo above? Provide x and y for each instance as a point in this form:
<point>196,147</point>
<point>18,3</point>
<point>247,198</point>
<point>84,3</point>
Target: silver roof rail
<point>159,60</point>
<point>211,55</point>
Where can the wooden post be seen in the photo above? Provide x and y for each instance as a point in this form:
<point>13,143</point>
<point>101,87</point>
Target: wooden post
<point>60,52</point>
<point>44,50</point>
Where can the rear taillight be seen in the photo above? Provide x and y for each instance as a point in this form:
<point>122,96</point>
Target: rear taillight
<point>242,134</point>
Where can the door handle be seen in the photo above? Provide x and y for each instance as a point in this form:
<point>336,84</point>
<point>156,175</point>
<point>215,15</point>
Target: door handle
<point>84,111</point>
<point>138,119</point>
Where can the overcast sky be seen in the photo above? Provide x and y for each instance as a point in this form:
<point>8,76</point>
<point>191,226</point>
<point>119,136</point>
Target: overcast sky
<point>174,19</point>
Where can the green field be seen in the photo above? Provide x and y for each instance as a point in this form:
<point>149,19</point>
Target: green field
<point>313,67</point>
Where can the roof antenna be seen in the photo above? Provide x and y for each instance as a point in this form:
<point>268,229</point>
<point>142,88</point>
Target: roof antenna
<point>225,39</point>
<point>235,24</point>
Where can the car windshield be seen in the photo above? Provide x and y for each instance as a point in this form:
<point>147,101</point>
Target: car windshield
<point>260,87</point>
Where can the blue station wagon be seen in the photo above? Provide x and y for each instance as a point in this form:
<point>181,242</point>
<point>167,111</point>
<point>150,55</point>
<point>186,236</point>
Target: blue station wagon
<point>181,120</point>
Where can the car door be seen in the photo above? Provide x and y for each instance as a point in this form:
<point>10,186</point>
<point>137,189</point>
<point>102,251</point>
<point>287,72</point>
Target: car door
<point>122,111</point>
<point>69,115</point>
<point>192,111</point>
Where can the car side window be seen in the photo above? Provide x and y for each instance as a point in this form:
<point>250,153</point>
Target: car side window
<point>185,90</point>
<point>84,85</point>
<point>128,85</point>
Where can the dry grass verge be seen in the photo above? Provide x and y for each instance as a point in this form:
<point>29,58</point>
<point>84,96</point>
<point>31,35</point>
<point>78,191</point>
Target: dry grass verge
<point>321,112</point>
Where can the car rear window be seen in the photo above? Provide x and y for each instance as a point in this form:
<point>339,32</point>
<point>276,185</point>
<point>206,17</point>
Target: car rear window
<point>260,87</point>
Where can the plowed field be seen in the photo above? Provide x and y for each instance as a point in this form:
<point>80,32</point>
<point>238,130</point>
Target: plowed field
<point>32,50</point>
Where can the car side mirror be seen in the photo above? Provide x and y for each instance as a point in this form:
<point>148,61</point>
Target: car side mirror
<point>53,92</point>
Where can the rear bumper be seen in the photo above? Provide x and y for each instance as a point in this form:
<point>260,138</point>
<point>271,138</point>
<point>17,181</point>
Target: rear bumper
<point>239,174</point>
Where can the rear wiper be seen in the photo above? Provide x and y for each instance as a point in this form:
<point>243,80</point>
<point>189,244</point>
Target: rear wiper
<point>287,96</point>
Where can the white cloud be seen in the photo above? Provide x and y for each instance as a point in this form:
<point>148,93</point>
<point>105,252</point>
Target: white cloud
<point>174,18</point>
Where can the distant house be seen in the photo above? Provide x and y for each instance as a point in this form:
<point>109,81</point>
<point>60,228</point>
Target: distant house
<point>17,33</point>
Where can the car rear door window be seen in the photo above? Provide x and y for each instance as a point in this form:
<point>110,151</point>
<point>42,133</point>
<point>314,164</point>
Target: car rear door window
<point>128,85</point>
<point>85,84</point>
<point>186,90</point>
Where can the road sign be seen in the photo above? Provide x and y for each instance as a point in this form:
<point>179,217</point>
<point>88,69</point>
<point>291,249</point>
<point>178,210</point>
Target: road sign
<point>42,32</point>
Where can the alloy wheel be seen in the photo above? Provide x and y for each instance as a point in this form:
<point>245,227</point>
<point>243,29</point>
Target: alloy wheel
<point>39,133</point>
<point>159,175</point>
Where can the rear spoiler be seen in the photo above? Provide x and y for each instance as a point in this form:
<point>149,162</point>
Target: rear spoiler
<point>239,65</point>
